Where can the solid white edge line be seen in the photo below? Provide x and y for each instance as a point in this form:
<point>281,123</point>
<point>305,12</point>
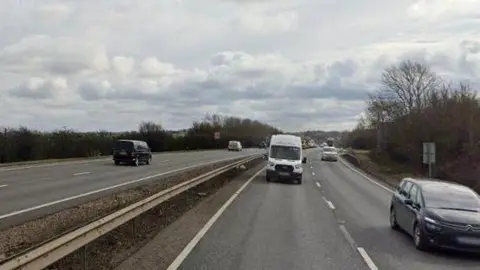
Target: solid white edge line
<point>25,210</point>
<point>365,176</point>
<point>367,259</point>
<point>191,245</point>
<point>3,186</point>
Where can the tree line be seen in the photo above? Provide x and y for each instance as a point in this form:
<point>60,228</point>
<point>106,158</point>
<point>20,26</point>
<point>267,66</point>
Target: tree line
<point>24,144</point>
<point>415,105</point>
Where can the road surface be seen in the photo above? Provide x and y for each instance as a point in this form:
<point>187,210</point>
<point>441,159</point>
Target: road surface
<point>337,219</point>
<point>31,191</point>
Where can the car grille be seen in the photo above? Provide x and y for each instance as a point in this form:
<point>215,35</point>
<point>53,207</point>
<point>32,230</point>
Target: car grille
<point>462,227</point>
<point>283,168</point>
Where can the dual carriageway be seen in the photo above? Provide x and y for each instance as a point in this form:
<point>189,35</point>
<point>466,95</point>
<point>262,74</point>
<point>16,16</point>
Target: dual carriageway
<point>337,219</point>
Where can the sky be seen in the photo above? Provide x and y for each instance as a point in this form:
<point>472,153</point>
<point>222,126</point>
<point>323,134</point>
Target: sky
<point>294,64</point>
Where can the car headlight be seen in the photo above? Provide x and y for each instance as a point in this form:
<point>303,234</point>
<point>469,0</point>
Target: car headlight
<point>298,166</point>
<point>271,164</point>
<point>432,225</point>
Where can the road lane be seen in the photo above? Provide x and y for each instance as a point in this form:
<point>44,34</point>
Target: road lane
<point>31,187</point>
<point>276,226</point>
<point>363,206</point>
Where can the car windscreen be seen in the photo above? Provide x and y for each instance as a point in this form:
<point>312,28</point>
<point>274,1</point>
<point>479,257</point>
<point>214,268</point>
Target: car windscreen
<point>448,197</point>
<point>124,145</point>
<point>285,152</point>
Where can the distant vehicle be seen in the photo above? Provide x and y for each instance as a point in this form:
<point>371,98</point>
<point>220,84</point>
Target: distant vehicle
<point>330,141</point>
<point>285,158</point>
<point>329,154</point>
<point>132,152</point>
<point>234,146</point>
<point>437,213</point>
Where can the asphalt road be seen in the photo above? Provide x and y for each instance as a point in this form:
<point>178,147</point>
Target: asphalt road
<point>363,205</point>
<point>275,226</point>
<point>338,219</point>
<point>31,191</point>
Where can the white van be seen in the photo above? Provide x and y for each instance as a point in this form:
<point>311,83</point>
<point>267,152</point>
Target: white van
<point>285,158</point>
<point>234,146</point>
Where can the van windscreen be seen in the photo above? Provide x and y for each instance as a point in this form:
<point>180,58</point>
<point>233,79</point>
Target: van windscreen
<point>124,145</point>
<point>285,152</point>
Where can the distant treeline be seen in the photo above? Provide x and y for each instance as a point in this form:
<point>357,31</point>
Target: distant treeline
<point>24,144</point>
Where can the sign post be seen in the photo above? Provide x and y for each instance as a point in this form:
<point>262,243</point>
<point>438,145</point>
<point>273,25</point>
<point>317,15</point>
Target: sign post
<point>429,156</point>
<point>216,137</point>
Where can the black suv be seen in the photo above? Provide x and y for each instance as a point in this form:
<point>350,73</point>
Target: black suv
<point>132,152</point>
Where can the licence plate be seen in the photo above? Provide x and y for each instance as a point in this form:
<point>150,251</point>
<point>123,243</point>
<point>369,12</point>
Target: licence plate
<point>123,153</point>
<point>283,174</point>
<point>469,240</point>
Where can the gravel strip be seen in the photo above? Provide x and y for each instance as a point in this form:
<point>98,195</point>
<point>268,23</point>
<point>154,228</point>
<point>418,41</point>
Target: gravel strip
<point>16,239</point>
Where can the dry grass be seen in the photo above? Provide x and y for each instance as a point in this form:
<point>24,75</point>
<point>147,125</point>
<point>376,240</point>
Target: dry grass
<point>381,167</point>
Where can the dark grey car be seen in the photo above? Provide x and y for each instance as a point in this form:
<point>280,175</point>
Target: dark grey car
<point>132,152</point>
<point>437,213</point>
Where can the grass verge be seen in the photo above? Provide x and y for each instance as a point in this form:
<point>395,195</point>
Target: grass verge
<point>379,166</point>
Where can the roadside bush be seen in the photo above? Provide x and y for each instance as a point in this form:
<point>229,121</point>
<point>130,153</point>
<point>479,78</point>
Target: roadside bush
<point>24,144</point>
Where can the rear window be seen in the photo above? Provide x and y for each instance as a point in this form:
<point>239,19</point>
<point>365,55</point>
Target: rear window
<point>329,149</point>
<point>125,145</point>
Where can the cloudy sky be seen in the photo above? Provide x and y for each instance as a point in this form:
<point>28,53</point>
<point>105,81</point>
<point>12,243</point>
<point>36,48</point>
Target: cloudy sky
<point>296,64</point>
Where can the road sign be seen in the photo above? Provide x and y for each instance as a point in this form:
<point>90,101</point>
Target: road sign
<point>429,153</point>
<point>429,156</point>
<point>216,135</point>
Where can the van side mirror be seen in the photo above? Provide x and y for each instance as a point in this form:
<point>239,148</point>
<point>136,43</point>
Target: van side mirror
<point>304,161</point>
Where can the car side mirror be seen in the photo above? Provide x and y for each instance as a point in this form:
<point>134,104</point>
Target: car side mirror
<point>417,205</point>
<point>304,161</point>
<point>408,202</point>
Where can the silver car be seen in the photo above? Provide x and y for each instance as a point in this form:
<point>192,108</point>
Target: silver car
<point>329,153</point>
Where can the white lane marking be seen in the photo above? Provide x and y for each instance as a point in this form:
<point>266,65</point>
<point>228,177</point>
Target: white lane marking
<point>3,186</point>
<point>367,259</point>
<point>313,173</point>
<point>191,245</point>
<point>330,204</point>
<point>81,173</point>
<point>311,167</point>
<point>318,185</point>
<point>365,176</point>
<point>51,165</point>
<point>25,210</point>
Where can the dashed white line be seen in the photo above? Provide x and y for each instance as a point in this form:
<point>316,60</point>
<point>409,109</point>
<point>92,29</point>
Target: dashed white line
<point>313,173</point>
<point>365,176</point>
<point>330,204</point>
<point>1,186</point>
<point>367,259</point>
<point>81,173</point>
<point>318,185</point>
<point>191,245</point>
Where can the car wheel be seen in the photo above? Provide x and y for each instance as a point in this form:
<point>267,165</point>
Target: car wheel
<point>299,181</point>
<point>393,219</point>
<point>136,162</point>
<point>149,160</point>
<point>268,178</point>
<point>419,238</point>
<point>117,162</point>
